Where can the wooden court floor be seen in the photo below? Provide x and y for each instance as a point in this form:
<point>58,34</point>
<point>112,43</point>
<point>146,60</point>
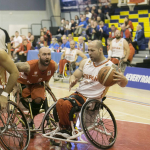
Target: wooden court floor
<point>131,108</point>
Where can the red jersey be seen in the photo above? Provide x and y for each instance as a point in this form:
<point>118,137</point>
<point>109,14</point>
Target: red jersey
<point>35,75</point>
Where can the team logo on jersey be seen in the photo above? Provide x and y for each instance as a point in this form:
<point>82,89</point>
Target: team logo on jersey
<point>40,79</point>
<point>22,75</point>
<point>35,72</point>
<point>106,65</point>
<point>120,44</point>
<point>49,73</point>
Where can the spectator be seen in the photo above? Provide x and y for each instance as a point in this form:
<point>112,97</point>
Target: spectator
<point>12,40</point>
<point>139,37</point>
<point>23,50</point>
<point>89,29</point>
<point>99,6</point>
<point>17,42</point>
<point>81,15</point>
<point>94,9</point>
<point>95,32</point>
<point>29,35</point>
<point>110,12</point>
<point>98,19</point>
<point>42,43</point>
<point>113,30</point>
<point>77,19</point>
<point>54,45</point>
<point>88,14</point>
<point>128,24</point>
<point>82,26</point>
<point>73,25</point>
<point>45,36</point>
<point>94,15</point>
<point>103,32</point>
<point>48,34</point>
<point>42,30</point>
<point>33,42</point>
<point>82,45</point>
<point>102,16</point>
<point>125,33</point>
<point>67,28</point>
<point>89,22</point>
<point>62,27</point>
<point>132,50</point>
<point>85,18</point>
<point>70,38</point>
<point>59,43</point>
<point>66,43</point>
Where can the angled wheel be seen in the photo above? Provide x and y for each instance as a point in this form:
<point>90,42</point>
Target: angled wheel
<point>98,124</point>
<point>14,129</point>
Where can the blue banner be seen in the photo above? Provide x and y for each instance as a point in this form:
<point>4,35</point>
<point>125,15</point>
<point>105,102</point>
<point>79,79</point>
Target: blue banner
<point>138,77</point>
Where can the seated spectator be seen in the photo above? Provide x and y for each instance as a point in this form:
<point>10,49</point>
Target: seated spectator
<point>45,37</point>
<point>42,43</point>
<point>17,42</point>
<point>81,15</point>
<point>73,25</point>
<point>128,24</point>
<point>67,28</point>
<point>88,14</point>
<point>110,11</point>
<point>132,50</point>
<point>33,42</point>
<point>48,34</point>
<point>62,27</point>
<point>108,43</point>
<point>95,32</point>
<point>59,43</point>
<point>89,29</point>
<point>99,6</point>
<point>23,50</point>
<point>29,35</point>
<point>113,30</point>
<point>103,31</point>
<point>82,26</point>
<point>42,30</point>
<point>125,33</point>
<point>70,38</point>
<point>85,18</point>
<point>77,19</point>
<point>94,15</point>
<point>54,45</point>
<point>12,40</point>
<point>101,15</point>
<point>98,19</point>
<point>82,45</point>
<point>139,37</point>
<point>94,9</point>
<point>65,42</point>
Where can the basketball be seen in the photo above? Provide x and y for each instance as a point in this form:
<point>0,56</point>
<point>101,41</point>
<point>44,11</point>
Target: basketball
<point>105,76</point>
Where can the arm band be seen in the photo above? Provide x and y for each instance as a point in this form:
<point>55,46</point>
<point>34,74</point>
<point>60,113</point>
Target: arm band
<point>109,53</point>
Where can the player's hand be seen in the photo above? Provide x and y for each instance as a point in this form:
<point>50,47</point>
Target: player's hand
<point>3,102</point>
<point>72,83</point>
<point>109,58</point>
<point>119,77</point>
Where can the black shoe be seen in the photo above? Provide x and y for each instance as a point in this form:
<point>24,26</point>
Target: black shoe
<point>32,133</point>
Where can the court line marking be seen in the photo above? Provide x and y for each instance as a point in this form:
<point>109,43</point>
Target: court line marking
<point>110,97</point>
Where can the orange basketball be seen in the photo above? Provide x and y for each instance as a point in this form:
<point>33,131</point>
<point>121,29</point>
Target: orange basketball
<point>105,76</point>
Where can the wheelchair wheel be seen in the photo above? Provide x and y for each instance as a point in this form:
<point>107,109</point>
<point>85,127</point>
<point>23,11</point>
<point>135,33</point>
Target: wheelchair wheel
<point>48,122</point>
<point>122,66</point>
<point>14,129</point>
<point>98,124</point>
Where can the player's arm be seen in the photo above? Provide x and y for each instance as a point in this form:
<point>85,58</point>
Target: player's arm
<point>77,74</point>
<point>7,63</point>
<point>9,48</point>
<point>110,51</point>
<point>81,54</point>
<point>23,67</point>
<point>63,55</point>
<point>126,50</point>
<point>119,78</point>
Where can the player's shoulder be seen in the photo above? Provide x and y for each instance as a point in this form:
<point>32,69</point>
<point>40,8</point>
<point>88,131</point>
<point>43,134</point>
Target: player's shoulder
<point>32,62</point>
<point>108,63</point>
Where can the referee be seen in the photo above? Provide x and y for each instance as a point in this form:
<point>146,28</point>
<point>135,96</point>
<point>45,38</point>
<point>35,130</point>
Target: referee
<point>4,39</point>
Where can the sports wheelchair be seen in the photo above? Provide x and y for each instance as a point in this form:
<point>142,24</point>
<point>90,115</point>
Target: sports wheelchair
<point>14,128</point>
<point>33,112</point>
<point>68,70</point>
<point>98,125</point>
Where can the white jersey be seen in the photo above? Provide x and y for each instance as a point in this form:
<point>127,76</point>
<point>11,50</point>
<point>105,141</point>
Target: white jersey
<point>117,48</point>
<point>70,55</point>
<point>90,86</point>
<point>17,41</point>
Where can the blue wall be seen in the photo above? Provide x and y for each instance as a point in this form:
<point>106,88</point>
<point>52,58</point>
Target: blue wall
<point>22,5</point>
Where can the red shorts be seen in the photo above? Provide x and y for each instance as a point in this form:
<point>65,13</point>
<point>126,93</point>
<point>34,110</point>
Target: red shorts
<point>35,90</point>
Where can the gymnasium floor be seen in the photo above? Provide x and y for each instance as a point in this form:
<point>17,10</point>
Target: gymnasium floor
<point>131,108</point>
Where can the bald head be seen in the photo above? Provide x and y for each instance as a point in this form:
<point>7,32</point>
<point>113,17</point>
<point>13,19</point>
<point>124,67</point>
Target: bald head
<point>97,44</point>
<point>72,45</point>
<point>80,39</point>
<point>44,56</point>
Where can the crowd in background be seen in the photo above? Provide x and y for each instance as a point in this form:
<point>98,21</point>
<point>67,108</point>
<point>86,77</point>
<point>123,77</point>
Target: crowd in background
<point>88,26</point>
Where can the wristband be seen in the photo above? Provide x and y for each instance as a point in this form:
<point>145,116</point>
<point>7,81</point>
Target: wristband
<point>4,94</point>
